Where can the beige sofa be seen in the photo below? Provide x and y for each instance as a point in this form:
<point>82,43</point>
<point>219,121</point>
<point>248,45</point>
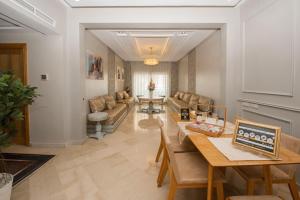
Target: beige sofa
<point>123,97</point>
<point>116,111</point>
<point>190,100</point>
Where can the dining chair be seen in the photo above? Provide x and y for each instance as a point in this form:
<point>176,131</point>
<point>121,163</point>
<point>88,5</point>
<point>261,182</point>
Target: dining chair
<point>284,174</point>
<point>176,147</point>
<point>263,197</point>
<point>190,170</point>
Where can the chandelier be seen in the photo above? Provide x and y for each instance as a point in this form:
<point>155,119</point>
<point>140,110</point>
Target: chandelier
<point>151,60</point>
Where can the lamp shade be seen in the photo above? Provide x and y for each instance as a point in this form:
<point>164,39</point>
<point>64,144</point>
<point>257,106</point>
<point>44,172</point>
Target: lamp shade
<point>151,61</point>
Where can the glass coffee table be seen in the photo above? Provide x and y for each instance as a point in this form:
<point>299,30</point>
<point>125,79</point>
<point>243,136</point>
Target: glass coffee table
<point>151,101</point>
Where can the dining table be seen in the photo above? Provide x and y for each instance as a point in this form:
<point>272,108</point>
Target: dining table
<point>217,159</point>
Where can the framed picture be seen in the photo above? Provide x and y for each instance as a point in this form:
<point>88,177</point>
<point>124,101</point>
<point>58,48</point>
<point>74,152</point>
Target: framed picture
<point>261,138</point>
<point>185,114</point>
<point>94,66</point>
<point>118,73</point>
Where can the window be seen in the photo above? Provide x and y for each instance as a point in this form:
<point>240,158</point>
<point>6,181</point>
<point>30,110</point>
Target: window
<point>141,76</point>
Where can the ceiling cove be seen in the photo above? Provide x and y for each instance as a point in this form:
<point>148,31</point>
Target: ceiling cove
<point>167,45</point>
<point>152,3</point>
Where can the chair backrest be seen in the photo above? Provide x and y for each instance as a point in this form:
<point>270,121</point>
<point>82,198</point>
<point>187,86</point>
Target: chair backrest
<point>164,137</point>
<point>293,144</point>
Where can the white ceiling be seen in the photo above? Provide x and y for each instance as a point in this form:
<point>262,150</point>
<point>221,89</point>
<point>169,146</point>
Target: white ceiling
<point>152,3</point>
<point>168,45</point>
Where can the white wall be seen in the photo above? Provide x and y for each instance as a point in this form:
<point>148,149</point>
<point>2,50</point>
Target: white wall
<point>270,69</point>
<point>45,56</point>
<point>210,68</point>
<point>183,74</point>
<point>96,87</point>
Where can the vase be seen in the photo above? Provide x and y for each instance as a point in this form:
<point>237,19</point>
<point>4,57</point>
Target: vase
<point>5,190</point>
<point>151,93</point>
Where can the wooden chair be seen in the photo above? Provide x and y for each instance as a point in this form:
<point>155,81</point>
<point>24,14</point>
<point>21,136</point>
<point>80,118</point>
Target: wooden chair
<point>280,174</point>
<point>264,197</point>
<point>190,170</point>
<point>174,145</point>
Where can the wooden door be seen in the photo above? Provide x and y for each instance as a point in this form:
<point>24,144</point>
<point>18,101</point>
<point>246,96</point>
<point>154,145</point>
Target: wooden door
<point>13,57</point>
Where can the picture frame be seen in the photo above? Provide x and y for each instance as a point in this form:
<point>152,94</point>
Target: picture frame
<point>118,73</point>
<point>257,137</point>
<point>185,114</point>
<point>94,66</point>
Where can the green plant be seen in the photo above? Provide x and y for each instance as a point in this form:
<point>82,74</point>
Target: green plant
<point>14,95</point>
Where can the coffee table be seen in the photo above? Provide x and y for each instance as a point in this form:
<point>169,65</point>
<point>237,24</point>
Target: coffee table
<point>151,101</point>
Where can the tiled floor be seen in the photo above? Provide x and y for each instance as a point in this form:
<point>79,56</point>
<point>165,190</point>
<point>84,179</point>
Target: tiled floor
<point>119,167</point>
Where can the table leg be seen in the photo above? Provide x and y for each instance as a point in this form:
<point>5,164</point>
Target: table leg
<point>268,179</point>
<point>210,179</point>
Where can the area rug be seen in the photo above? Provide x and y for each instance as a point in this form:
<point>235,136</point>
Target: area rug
<point>148,124</point>
<point>22,165</point>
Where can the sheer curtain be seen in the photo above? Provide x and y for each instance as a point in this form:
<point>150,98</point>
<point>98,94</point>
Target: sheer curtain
<point>142,74</point>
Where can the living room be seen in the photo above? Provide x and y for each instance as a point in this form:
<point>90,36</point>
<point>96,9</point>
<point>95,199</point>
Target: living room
<point>231,53</point>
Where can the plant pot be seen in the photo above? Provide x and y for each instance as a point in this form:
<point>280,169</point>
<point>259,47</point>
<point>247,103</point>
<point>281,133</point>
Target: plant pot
<point>5,189</point>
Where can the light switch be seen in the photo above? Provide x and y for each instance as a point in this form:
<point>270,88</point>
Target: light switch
<point>44,77</point>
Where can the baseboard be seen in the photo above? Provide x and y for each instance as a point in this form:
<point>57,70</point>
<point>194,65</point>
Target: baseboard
<point>57,145</point>
<point>77,142</point>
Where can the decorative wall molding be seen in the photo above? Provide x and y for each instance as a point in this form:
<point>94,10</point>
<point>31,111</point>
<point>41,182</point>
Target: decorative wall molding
<point>192,71</point>
<point>288,121</point>
<point>282,107</point>
<point>292,75</point>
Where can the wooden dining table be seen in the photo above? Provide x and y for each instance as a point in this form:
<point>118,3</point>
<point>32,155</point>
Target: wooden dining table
<point>217,159</point>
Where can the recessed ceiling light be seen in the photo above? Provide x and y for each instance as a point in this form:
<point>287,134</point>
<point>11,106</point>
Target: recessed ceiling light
<point>182,34</point>
<point>77,0</point>
<point>121,34</point>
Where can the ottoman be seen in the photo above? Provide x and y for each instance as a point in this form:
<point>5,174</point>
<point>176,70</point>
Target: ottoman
<point>97,117</point>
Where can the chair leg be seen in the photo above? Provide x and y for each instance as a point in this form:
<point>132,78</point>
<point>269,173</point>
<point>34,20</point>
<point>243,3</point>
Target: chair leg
<point>293,189</point>
<point>163,171</point>
<point>220,191</point>
<point>173,186</point>
<point>250,187</point>
<point>159,152</point>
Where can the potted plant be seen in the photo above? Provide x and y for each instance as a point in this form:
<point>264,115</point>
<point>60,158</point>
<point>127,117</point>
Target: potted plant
<point>14,95</point>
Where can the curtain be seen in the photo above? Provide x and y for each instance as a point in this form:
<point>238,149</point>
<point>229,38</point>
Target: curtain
<point>142,74</point>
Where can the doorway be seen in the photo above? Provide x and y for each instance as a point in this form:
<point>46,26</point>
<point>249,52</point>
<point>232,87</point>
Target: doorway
<point>13,58</point>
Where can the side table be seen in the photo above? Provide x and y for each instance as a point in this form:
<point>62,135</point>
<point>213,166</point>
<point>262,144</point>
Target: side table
<point>97,117</point>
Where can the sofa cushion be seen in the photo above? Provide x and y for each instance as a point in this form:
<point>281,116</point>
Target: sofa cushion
<point>181,94</point>
<point>193,104</point>
<point>177,95</point>
<point>97,104</point>
<point>186,97</point>
<point>205,104</point>
<point>110,102</point>
<point>126,95</point>
<point>115,113</point>
<point>120,95</point>
<point>179,104</point>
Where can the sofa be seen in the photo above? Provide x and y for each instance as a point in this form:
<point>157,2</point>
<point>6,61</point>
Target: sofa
<point>192,101</point>
<point>123,97</point>
<point>116,111</point>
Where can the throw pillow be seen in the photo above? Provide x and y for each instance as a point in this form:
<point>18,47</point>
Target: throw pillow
<point>110,102</point>
<point>97,104</point>
<point>120,95</point>
<point>194,102</point>
<point>176,96</point>
<point>181,94</point>
<point>186,97</point>
<point>126,95</point>
<point>205,104</point>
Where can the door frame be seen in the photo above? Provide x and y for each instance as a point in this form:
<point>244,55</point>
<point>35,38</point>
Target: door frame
<point>23,47</point>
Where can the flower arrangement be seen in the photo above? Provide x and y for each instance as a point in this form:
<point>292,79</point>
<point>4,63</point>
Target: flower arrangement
<point>151,86</point>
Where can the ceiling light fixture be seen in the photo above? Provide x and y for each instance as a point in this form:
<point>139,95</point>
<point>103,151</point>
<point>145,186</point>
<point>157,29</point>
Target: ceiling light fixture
<point>151,60</point>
